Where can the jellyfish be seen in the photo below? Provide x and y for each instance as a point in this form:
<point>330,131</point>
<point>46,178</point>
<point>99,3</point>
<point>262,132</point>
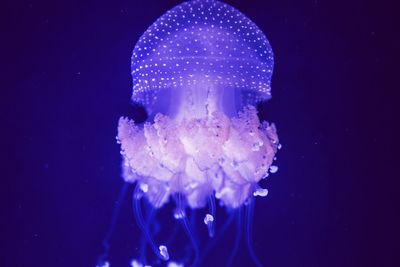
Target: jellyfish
<point>199,70</point>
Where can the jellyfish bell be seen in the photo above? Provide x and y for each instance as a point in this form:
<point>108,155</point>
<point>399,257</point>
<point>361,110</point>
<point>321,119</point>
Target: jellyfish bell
<point>199,71</point>
<point>199,53</point>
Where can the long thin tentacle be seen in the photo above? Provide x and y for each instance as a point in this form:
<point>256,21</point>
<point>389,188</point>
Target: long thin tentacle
<point>219,235</point>
<point>248,229</point>
<point>102,259</point>
<point>210,219</point>
<point>188,230</point>
<point>137,210</point>
<point>143,242</point>
<point>237,238</point>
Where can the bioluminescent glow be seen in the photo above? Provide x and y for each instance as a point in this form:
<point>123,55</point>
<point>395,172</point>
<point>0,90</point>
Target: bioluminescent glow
<point>199,71</point>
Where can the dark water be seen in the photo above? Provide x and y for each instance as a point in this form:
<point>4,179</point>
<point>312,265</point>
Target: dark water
<point>66,74</point>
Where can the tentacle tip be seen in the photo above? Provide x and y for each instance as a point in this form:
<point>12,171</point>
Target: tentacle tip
<point>208,219</point>
<point>179,214</point>
<point>174,264</point>
<point>273,169</point>
<point>135,263</point>
<point>164,252</point>
<point>103,264</point>
<point>209,222</point>
<point>261,192</point>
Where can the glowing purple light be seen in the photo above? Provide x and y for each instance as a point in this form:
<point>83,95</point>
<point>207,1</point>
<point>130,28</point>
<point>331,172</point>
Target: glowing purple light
<point>199,70</point>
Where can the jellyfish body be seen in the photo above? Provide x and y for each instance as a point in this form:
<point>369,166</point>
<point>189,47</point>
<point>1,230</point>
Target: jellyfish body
<point>199,71</point>
<point>200,68</point>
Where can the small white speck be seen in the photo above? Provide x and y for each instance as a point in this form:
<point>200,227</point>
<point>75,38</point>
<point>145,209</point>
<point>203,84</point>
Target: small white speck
<point>208,218</point>
<point>273,169</point>
<point>164,252</point>
<point>262,192</point>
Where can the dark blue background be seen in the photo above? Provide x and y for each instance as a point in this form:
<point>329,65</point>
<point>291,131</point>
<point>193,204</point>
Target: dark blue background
<point>66,81</point>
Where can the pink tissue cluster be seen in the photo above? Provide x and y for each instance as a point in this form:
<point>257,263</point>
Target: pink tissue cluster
<point>198,157</point>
